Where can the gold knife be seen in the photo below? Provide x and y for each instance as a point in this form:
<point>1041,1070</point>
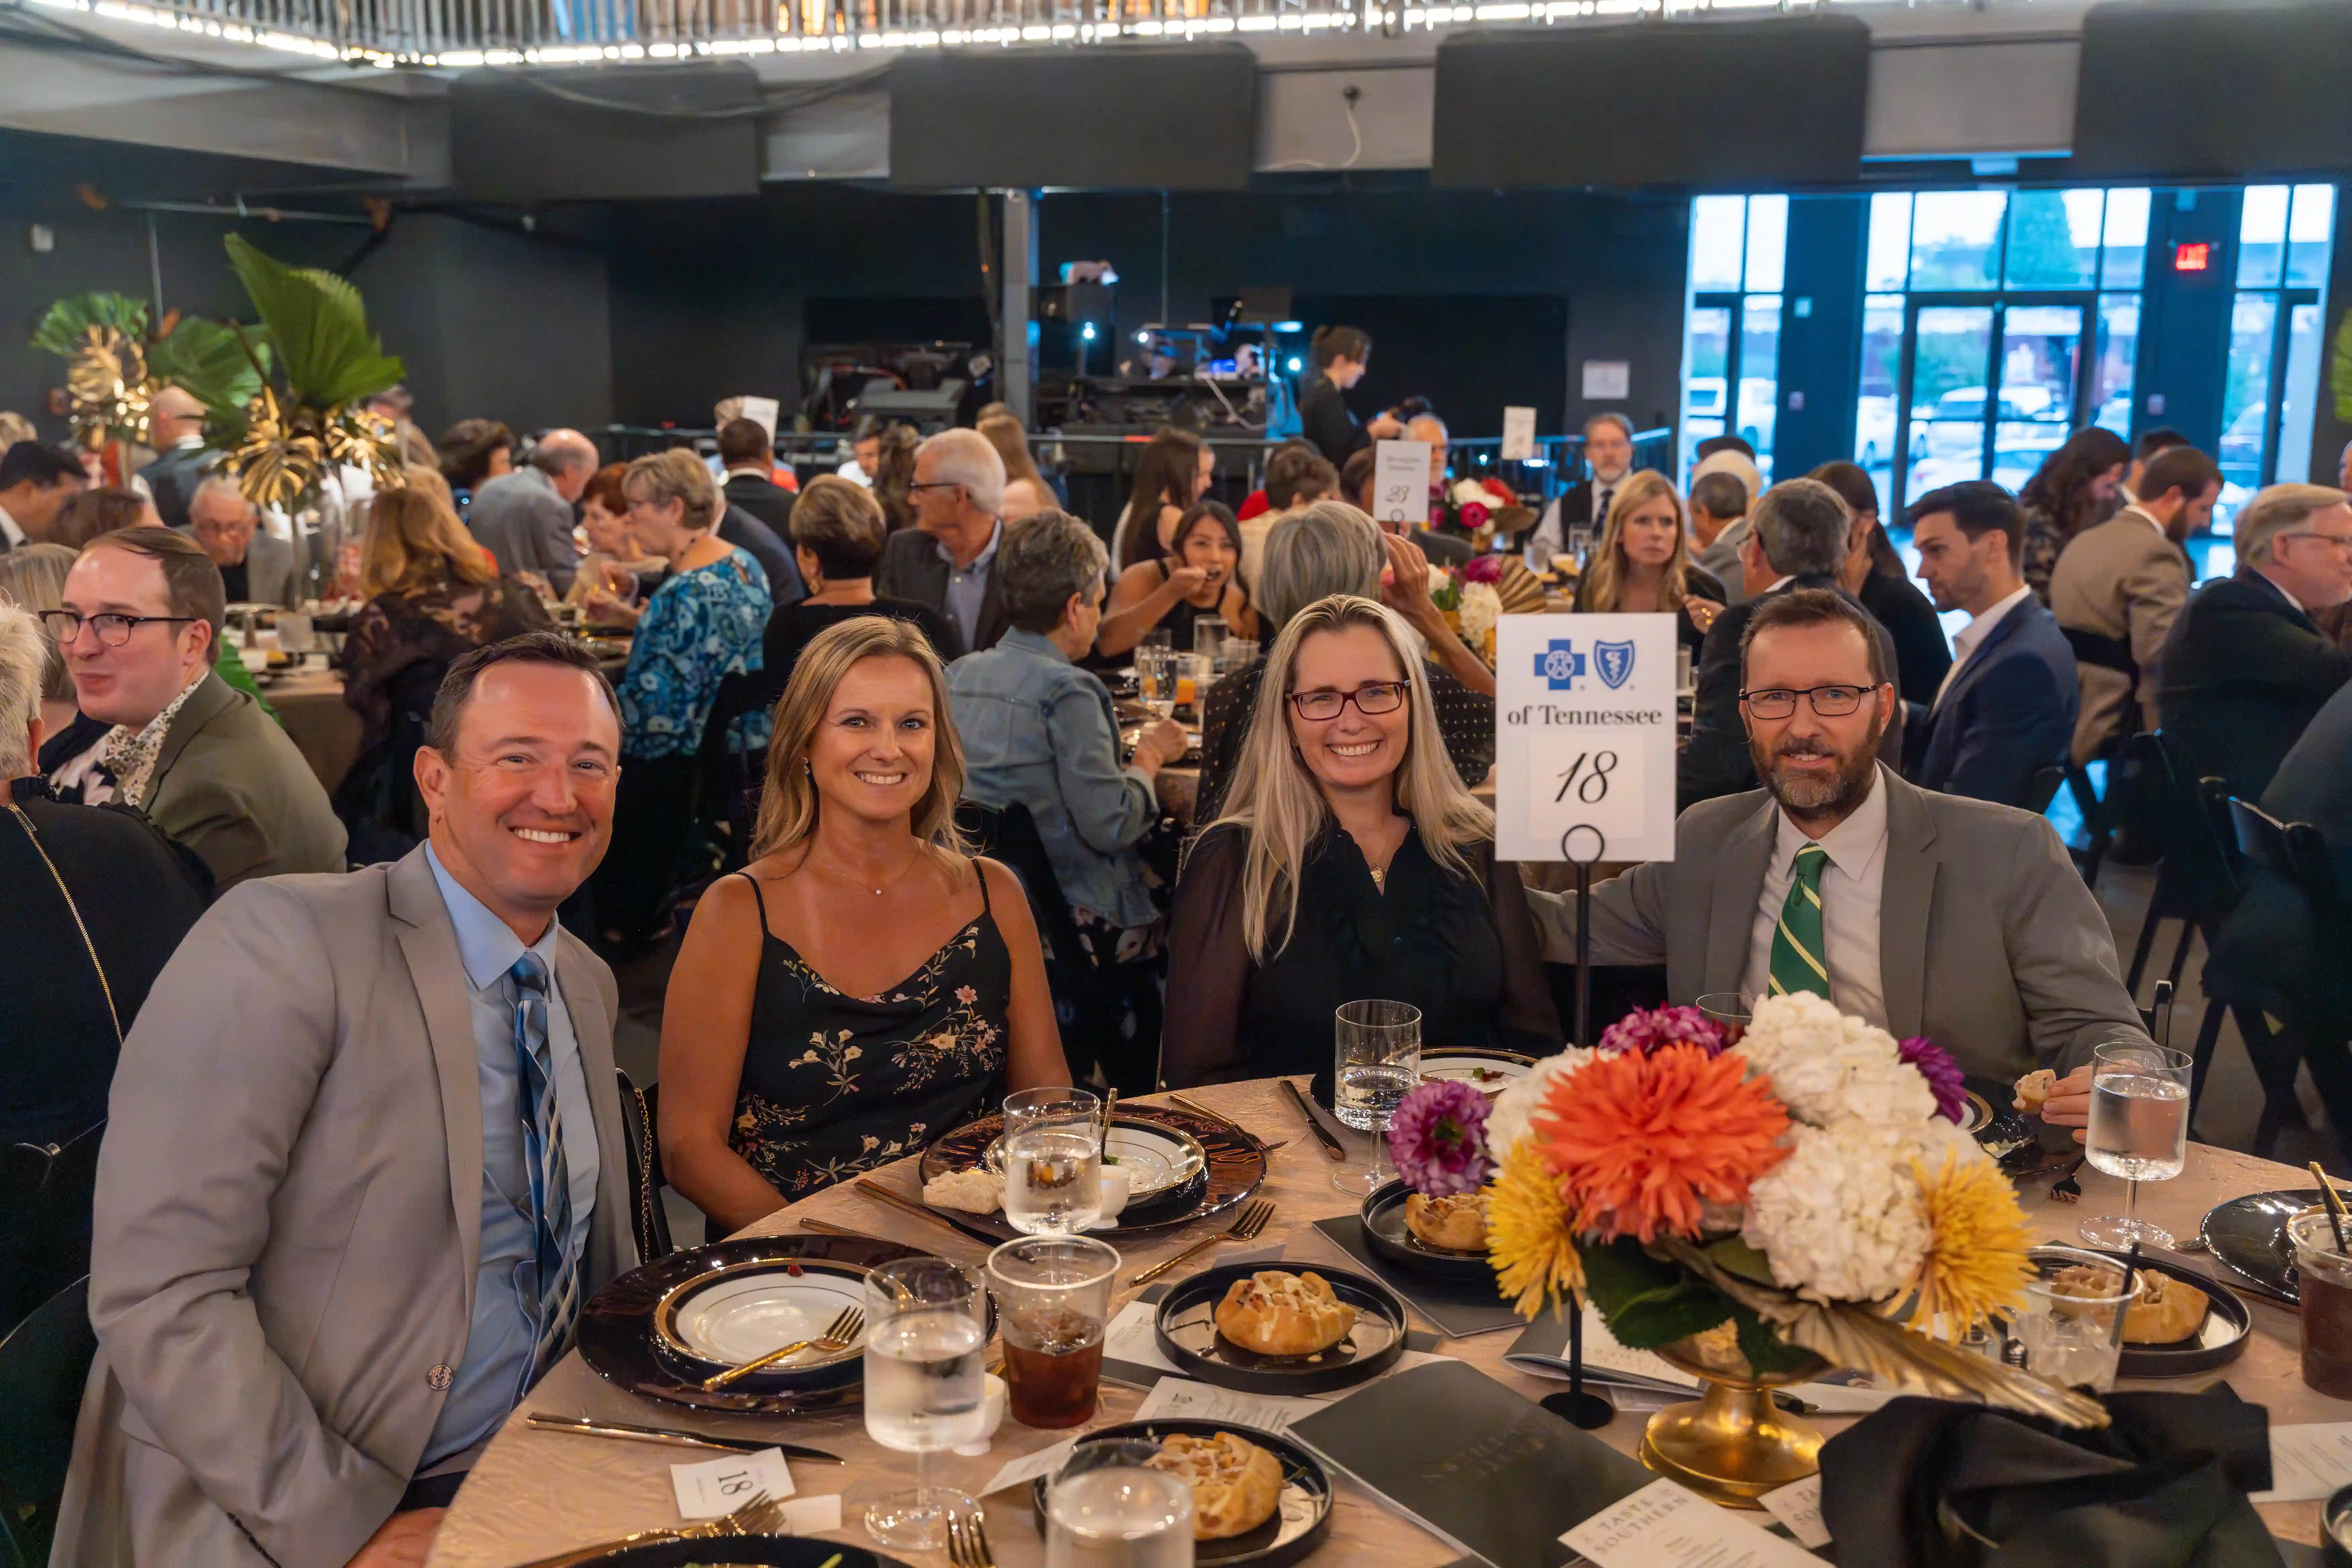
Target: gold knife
<point>580,1425</point>
<point>874,1189</point>
<point>1331,1145</point>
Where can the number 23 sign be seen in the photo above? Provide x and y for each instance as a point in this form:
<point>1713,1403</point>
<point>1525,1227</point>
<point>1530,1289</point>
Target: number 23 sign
<point>1584,716</point>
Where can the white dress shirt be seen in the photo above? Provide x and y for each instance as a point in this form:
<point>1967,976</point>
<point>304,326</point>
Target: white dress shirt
<point>1550,539</point>
<point>1970,638</point>
<point>1851,887</point>
<point>2147,517</point>
<point>8,529</point>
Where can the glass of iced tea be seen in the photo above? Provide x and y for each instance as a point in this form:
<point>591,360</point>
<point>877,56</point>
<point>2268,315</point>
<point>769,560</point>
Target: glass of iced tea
<point>1053,1300</point>
<point>2326,1287</point>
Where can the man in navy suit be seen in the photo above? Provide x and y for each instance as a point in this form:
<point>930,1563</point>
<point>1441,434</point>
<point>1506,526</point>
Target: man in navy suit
<point>2006,708</point>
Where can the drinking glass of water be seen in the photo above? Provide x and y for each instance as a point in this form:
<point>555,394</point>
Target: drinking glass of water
<point>926,1332</point>
<point>1377,1062</point>
<point>1106,1509</point>
<point>1053,1160</point>
<point>2139,1130</point>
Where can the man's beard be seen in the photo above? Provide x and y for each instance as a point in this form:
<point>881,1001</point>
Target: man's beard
<point>1810,794</point>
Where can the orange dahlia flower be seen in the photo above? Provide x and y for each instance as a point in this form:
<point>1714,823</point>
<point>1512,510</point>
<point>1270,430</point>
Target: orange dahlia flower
<point>1639,1142</point>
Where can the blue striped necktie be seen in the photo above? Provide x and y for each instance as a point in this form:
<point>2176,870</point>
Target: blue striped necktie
<point>550,1180</point>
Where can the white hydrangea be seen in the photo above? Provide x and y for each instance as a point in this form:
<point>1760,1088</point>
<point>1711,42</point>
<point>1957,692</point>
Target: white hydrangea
<point>1480,607</point>
<point>1841,1218</point>
<point>1506,1124</point>
<point>1824,1065</point>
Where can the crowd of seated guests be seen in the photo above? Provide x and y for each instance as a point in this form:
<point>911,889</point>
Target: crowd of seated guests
<point>1642,564</point>
<point>1874,574</point>
<point>1200,575</point>
<point>1172,473</point>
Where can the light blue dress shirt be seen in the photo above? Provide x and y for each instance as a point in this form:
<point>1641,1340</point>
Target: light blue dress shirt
<point>490,1381</point>
<point>968,585</point>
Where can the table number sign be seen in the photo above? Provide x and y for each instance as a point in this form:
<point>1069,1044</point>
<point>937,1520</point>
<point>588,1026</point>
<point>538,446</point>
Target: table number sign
<point>1584,737</point>
<point>1519,435</point>
<point>721,1486</point>
<point>1400,482</point>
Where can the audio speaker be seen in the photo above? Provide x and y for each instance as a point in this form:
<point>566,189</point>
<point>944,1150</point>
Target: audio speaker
<point>1658,103</point>
<point>606,133</point>
<point>2231,91</point>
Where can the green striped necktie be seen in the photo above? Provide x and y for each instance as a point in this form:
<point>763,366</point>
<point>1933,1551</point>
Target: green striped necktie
<point>1799,957</point>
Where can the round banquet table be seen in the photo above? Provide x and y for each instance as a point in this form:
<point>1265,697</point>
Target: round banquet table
<point>322,726</point>
<point>533,1493</point>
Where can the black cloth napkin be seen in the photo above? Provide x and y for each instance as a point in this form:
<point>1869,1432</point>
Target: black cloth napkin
<point>1924,1483</point>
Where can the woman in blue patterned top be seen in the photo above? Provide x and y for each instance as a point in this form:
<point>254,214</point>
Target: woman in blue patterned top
<point>702,624</point>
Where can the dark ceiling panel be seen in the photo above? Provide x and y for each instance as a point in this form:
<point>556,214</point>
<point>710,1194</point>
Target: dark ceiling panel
<point>2234,91</point>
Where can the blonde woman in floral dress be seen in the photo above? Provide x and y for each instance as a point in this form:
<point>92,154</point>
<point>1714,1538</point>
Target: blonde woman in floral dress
<point>864,985</point>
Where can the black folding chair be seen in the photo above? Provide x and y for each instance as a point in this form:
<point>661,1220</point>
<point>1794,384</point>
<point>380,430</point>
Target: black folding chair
<point>2296,854</point>
<point>640,1136</point>
<point>2041,789</point>
<point>44,1362</point>
<point>2197,882</point>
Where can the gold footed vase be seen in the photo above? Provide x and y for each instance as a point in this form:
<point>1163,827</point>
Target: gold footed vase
<point>1732,1444</point>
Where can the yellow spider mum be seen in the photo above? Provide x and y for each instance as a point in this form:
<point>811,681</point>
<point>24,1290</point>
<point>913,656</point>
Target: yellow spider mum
<point>1528,1239</point>
<point>1976,1260</point>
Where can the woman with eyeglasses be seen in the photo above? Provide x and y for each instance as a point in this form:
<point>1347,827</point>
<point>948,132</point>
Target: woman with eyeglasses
<point>1350,863</point>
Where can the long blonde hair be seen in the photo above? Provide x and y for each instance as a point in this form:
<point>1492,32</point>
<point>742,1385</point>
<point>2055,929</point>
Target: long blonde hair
<point>788,806</point>
<point>414,543</point>
<point>1279,807</point>
<point>1606,579</point>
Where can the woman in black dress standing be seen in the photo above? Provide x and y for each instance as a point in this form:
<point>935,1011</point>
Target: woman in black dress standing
<point>864,985</point>
<point>1341,356</point>
<point>1873,573</point>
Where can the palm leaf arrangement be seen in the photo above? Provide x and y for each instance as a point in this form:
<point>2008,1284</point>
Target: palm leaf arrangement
<point>115,364</point>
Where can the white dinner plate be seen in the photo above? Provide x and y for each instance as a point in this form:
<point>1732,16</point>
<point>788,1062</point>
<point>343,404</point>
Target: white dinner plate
<point>742,1316</point>
<point>1156,1159</point>
<point>1488,1071</point>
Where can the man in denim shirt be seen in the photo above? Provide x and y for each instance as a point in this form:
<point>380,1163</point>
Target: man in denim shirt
<point>1037,731</point>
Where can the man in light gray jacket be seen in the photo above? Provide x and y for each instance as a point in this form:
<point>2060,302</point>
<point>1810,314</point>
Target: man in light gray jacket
<point>1924,914</point>
<point>525,520</point>
<point>363,1164</point>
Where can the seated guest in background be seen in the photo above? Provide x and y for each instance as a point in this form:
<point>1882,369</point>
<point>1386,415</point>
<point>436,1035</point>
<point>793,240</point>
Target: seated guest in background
<point>35,481</point>
<point>1257,503</point>
<point>1341,356</point>
<point>763,544</point>
<point>1427,429</point>
<point>1199,577</point>
<point>1640,567</point>
<point>1718,522</point>
<point>33,578</point>
<point>101,510</point>
<point>1003,430</point>
<point>1038,731</point>
<point>257,567</point>
<point>616,563</point>
<point>837,537</point>
<point>1295,477</point>
<point>325,1063</point>
<point>472,452</point>
<point>1331,548</point>
<point>1874,574</point>
<point>524,517</point>
<point>1799,536</point>
<point>175,424</point>
<point>865,451</point>
<point>2007,709</point>
<point>2119,587</point>
<point>864,985</point>
<point>702,624</point>
<point>947,561</point>
<point>1347,862</point>
<point>747,454</point>
<point>1355,488</point>
<point>894,475</point>
<point>140,612</point>
<point>2076,487</point>
<point>2144,449</point>
<point>1172,473</point>
<point>1921,913</point>
<point>2245,669</point>
<point>1609,450</point>
<point>98,899</point>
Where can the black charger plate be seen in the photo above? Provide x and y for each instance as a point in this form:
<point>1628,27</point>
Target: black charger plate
<point>1392,1241</point>
<point>1186,1328</point>
<point>1301,1518</point>
<point>2219,1340</point>
<point>775,1551</point>
<point>2247,1235</point>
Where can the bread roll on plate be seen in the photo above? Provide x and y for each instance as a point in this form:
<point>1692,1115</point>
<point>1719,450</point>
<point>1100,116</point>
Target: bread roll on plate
<point>1236,1485</point>
<point>1277,1313</point>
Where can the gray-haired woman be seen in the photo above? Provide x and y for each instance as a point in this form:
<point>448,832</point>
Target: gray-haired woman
<point>1038,732</point>
<point>1332,548</point>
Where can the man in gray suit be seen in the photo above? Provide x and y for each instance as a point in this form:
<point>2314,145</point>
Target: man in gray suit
<point>257,567</point>
<point>1924,914</point>
<point>363,1164</point>
<point>1718,520</point>
<point>525,517</point>
<point>948,560</point>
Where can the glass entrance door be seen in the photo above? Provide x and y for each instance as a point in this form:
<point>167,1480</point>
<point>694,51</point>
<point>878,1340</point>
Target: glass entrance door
<point>1989,391</point>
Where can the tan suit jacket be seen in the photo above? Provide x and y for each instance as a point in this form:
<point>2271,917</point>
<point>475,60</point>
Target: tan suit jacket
<point>2124,580</point>
<point>288,1224</point>
<point>230,785</point>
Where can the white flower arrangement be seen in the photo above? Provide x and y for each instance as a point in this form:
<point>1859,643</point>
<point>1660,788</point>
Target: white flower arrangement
<point>1824,1065</point>
<point>1839,1220</point>
<point>1480,608</point>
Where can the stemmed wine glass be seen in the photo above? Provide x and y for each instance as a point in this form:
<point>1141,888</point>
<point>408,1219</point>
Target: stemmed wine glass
<point>924,1387</point>
<point>1377,1062</point>
<point>2139,1130</point>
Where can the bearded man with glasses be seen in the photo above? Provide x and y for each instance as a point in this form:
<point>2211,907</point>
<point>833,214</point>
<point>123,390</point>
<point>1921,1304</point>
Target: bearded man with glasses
<point>141,612</point>
<point>1920,912</point>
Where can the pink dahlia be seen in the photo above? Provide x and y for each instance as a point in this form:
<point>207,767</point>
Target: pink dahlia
<point>1438,1139</point>
<point>1942,1073</point>
<point>1653,1030</point>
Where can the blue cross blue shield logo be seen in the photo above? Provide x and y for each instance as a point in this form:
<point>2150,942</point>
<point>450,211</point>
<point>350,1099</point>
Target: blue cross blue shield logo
<point>1614,662</point>
<point>1560,665</point>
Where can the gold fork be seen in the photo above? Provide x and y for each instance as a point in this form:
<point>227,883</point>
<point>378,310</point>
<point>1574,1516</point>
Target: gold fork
<point>1245,1226</point>
<point>759,1516</point>
<point>839,1335</point>
<point>968,1542</point>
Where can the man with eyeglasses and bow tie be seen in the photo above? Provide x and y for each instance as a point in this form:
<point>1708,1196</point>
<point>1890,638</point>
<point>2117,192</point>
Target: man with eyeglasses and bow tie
<point>1920,912</point>
<point>364,1164</point>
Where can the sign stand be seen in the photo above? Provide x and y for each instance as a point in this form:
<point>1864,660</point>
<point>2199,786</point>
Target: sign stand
<point>1578,1408</point>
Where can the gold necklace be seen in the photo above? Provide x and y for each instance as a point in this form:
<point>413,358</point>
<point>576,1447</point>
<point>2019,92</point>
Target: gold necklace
<point>1379,878</point>
<point>892,882</point>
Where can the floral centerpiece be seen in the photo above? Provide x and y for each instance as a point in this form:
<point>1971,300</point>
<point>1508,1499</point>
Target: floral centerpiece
<point>1756,1212</point>
<point>1475,510</point>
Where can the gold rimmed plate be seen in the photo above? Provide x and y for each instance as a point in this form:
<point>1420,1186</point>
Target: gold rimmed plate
<point>1160,1161</point>
<point>1488,1072</point>
<point>1233,1169</point>
<point>737,1313</point>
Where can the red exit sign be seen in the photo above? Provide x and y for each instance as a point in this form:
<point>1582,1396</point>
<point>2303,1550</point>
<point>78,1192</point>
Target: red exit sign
<point>2194,258</point>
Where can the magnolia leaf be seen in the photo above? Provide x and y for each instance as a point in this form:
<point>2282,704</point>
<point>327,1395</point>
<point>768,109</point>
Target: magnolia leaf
<point>1663,1317</point>
<point>1619,1273</point>
<point>1767,1351</point>
<point>319,328</point>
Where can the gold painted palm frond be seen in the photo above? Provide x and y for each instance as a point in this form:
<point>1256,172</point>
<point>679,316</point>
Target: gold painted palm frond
<point>1859,1339</point>
<point>107,386</point>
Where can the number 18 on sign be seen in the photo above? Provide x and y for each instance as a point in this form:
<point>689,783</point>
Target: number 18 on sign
<point>1584,737</point>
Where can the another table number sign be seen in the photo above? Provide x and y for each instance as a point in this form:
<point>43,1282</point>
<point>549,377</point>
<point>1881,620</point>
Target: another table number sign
<point>1519,435</point>
<point>1400,482</point>
<point>1585,737</point>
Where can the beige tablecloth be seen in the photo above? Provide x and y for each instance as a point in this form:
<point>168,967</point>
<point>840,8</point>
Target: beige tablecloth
<point>323,728</point>
<point>536,1493</point>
